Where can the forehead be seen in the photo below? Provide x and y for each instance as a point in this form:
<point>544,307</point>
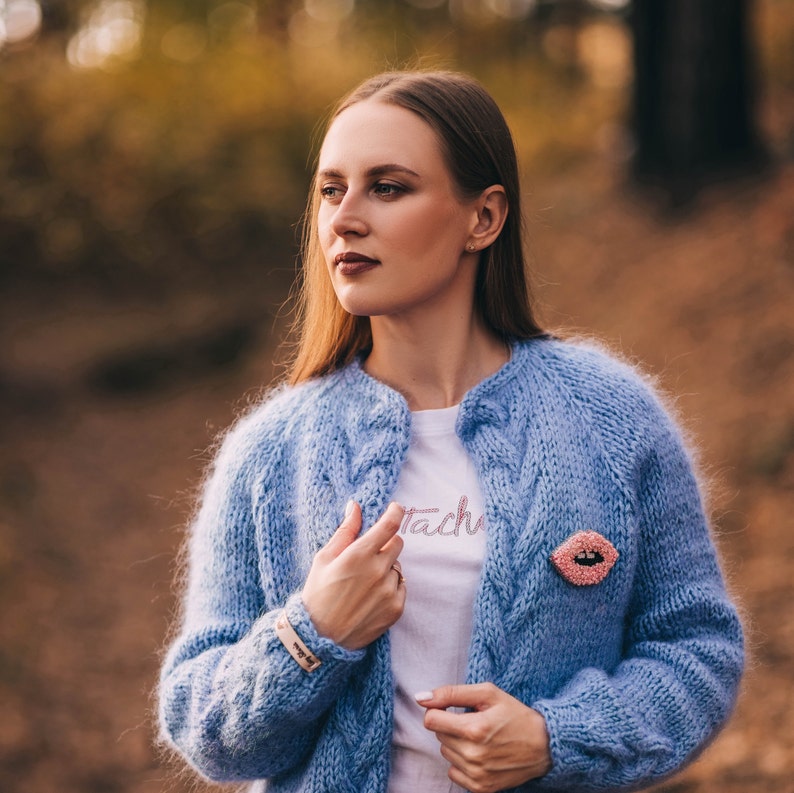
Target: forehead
<point>372,132</point>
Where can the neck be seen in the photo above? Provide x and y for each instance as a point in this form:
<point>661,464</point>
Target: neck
<point>435,361</point>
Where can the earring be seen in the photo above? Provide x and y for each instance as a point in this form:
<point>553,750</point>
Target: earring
<point>471,247</point>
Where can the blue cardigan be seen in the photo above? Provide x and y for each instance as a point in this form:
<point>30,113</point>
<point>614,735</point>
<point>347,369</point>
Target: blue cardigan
<point>633,669</point>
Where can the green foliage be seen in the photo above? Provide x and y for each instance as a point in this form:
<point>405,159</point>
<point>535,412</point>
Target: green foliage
<point>189,152</point>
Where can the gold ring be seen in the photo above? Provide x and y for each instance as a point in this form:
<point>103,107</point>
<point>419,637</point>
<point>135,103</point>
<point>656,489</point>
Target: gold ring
<point>397,569</point>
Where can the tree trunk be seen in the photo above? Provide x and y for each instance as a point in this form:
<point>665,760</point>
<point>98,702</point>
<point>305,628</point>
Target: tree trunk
<point>693,102</point>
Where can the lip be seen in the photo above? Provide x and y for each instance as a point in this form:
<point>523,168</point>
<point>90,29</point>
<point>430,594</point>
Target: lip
<point>352,263</point>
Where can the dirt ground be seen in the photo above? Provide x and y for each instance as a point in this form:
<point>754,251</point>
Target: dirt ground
<point>107,407</point>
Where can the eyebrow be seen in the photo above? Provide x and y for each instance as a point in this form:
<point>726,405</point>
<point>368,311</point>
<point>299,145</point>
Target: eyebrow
<point>376,170</point>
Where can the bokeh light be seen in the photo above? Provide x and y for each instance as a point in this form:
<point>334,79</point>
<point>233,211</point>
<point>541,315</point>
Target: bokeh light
<point>511,9</point>
<point>20,20</point>
<point>113,29</point>
<point>329,10</point>
<point>605,52</point>
<point>610,5</point>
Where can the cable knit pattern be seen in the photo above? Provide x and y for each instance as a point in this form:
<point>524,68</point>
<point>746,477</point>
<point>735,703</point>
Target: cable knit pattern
<point>633,674</point>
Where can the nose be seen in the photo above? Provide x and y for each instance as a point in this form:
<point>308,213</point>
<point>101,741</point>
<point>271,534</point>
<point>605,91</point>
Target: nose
<point>350,216</point>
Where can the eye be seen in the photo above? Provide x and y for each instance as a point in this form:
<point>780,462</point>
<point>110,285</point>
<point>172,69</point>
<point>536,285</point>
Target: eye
<point>387,190</point>
<point>585,558</point>
<point>331,192</point>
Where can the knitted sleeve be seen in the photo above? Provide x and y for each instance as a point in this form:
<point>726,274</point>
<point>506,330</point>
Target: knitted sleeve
<point>233,702</point>
<point>683,654</point>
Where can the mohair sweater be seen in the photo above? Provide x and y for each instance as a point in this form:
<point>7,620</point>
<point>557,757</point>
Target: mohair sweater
<point>633,674</point>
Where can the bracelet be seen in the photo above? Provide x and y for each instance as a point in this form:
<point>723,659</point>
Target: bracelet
<point>295,647</point>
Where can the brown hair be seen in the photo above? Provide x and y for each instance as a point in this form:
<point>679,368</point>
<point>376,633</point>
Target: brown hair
<point>478,148</point>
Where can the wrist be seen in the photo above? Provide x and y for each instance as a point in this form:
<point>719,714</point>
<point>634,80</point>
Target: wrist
<point>294,645</point>
<point>321,646</point>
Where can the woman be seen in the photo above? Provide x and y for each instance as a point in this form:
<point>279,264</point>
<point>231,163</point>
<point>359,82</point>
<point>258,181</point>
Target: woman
<point>545,610</point>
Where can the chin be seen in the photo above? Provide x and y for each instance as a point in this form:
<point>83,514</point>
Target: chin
<point>374,303</point>
<point>364,308</point>
<point>363,311</point>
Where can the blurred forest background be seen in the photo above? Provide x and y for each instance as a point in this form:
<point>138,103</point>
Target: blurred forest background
<point>154,158</point>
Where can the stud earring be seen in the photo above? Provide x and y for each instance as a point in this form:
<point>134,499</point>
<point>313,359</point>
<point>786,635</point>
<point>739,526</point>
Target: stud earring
<point>471,247</point>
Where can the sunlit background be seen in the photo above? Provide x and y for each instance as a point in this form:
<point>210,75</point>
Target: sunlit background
<point>154,161</point>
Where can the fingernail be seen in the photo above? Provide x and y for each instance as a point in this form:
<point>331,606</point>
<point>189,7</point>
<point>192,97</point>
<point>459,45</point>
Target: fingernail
<point>423,696</point>
<point>349,507</point>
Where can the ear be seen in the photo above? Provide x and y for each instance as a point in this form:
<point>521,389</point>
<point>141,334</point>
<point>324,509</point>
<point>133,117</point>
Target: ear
<point>491,207</point>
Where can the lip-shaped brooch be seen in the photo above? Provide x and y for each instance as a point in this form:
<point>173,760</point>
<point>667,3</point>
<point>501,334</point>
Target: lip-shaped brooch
<point>585,558</point>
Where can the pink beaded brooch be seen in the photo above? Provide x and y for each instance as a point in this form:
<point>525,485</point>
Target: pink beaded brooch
<point>585,558</point>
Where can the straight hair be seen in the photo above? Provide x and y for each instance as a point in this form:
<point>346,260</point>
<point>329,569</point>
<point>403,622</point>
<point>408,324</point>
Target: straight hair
<point>479,151</point>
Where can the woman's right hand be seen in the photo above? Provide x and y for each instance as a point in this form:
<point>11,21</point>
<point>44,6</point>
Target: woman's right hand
<point>352,593</point>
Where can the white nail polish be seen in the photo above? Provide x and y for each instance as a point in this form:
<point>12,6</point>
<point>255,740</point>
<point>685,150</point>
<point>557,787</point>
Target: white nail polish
<point>349,507</point>
<point>423,696</point>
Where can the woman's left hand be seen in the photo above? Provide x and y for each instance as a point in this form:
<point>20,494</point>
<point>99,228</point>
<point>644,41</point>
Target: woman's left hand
<point>502,744</point>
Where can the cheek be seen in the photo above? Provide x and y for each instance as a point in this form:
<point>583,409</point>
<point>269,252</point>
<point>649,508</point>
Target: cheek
<point>323,231</point>
<point>440,227</point>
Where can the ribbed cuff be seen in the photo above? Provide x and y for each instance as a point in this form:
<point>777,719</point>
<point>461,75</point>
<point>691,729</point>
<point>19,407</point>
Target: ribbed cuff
<point>294,645</point>
<point>323,648</point>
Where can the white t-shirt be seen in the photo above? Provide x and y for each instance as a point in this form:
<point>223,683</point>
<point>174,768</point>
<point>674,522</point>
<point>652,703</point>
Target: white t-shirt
<point>444,534</point>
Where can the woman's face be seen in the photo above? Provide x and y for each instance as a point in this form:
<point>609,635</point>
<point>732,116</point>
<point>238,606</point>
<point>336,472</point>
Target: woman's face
<point>391,225</point>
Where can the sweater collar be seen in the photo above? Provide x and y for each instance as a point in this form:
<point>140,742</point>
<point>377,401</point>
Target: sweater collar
<point>482,404</point>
